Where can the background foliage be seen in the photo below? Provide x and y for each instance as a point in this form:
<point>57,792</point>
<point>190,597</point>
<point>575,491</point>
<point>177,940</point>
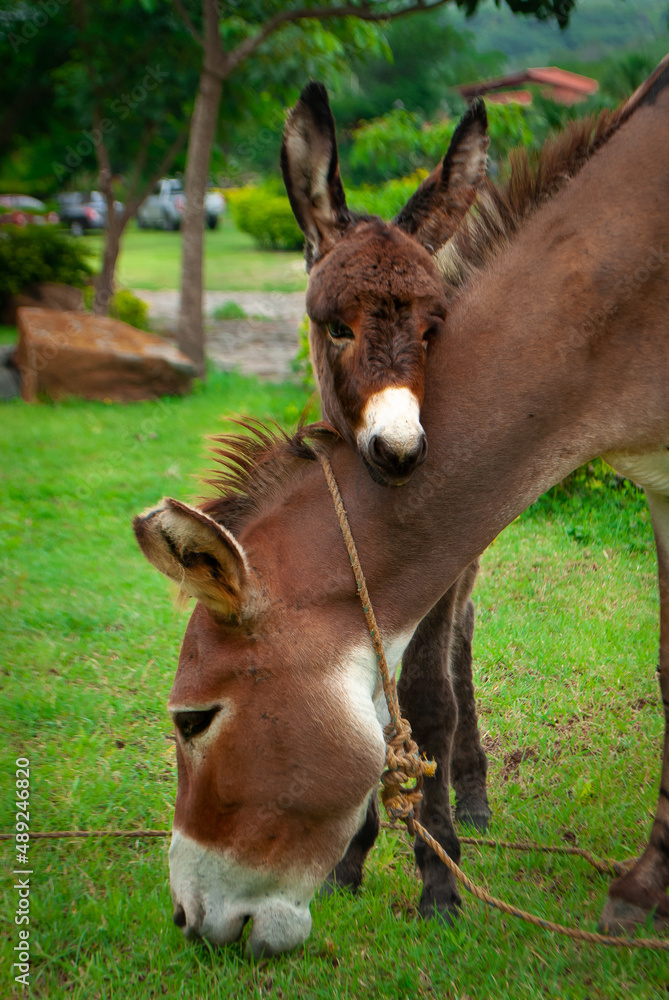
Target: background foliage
<point>32,254</point>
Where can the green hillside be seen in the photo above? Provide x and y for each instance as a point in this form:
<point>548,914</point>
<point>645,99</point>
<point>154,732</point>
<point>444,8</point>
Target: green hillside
<point>598,27</point>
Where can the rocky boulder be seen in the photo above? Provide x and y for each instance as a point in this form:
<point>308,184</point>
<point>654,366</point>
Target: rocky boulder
<point>45,295</point>
<point>76,354</point>
<point>10,383</point>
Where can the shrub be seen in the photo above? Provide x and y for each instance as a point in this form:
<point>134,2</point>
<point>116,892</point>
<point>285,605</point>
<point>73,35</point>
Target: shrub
<point>265,216</point>
<point>124,306</point>
<point>400,142</point>
<point>385,199</point>
<point>30,255</point>
<point>128,308</point>
<point>301,364</point>
<point>229,310</point>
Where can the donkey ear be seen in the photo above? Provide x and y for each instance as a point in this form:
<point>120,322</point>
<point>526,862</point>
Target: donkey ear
<point>439,205</point>
<point>310,168</point>
<point>196,552</point>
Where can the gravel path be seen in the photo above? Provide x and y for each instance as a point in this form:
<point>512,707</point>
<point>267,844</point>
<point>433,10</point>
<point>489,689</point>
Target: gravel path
<point>262,347</point>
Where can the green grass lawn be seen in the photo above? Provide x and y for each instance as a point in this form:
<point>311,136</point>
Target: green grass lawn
<point>565,651</point>
<point>152,259</point>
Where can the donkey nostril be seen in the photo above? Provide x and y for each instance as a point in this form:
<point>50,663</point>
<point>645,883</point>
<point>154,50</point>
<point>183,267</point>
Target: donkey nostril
<point>179,916</point>
<point>379,451</point>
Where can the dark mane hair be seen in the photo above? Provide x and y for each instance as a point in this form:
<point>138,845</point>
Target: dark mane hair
<point>256,467</point>
<point>536,175</point>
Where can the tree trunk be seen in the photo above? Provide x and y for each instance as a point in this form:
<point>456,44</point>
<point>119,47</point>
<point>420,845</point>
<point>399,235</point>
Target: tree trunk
<point>203,127</point>
<point>190,336</point>
<point>104,286</point>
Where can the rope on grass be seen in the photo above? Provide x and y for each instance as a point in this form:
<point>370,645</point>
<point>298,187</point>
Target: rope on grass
<point>64,834</point>
<point>404,802</point>
<point>548,925</point>
<point>605,866</point>
<point>403,765</point>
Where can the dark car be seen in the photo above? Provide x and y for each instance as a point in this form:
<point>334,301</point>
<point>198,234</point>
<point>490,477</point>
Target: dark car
<point>82,210</point>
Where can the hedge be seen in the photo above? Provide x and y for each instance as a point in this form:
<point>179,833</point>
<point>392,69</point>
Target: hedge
<point>32,254</point>
<point>265,216</point>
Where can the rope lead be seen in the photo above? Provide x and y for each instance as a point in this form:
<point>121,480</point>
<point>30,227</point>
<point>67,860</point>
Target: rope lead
<point>404,764</point>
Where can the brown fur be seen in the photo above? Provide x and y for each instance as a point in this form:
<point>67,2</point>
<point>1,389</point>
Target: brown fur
<point>522,387</point>
<point>377,280</point>
<point>388,309</point>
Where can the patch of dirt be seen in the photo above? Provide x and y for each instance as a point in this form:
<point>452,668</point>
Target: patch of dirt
<point>264,345</point>
<point>492,745</point>
<point>643,703</point>
<point>514,759</point>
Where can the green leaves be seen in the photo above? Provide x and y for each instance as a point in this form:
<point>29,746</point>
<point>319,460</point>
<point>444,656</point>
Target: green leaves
<point>32,254</point>
<point>401,142</point>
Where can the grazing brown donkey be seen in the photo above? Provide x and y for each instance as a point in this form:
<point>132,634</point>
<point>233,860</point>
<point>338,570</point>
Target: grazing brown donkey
<point>555,350</point>
<point>369,338</point>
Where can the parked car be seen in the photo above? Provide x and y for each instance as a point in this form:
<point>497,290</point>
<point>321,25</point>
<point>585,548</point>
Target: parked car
<point>22,210</point>
<point>82,210</point>
<point>165,206</point>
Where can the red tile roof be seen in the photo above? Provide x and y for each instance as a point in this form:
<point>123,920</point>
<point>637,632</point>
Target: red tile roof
<point>560,79</point>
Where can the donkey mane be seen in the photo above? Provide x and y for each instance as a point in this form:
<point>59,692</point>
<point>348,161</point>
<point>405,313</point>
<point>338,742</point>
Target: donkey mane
<point>536,176</point>
<point>257,466</point>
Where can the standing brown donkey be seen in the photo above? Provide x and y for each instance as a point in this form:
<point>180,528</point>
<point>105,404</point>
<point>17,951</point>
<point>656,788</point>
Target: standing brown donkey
<point>555,349</point>
<point>370,330</point>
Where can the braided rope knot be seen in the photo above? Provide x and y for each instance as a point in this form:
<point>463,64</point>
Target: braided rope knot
<point>403,765</point>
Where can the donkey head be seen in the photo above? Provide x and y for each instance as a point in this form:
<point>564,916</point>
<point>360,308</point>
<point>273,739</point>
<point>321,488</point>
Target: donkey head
<point>278,744</point>
<point>375,297</point>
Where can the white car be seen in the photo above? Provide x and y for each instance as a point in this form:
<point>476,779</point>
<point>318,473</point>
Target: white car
<point>165,206</point>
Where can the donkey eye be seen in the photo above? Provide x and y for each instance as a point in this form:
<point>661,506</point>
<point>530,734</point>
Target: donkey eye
<point>190,724</point>
<point>339,331</point>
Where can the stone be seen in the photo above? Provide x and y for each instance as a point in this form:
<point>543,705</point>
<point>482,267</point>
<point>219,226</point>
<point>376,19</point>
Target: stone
<point>77,354</point>
<point>7,352</point>
<point>9,383</point>
<point>45,295</point>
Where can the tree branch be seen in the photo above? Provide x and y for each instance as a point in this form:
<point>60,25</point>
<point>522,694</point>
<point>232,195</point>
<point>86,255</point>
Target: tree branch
<point>160,171</point>
<point>140,160</point>
<point>364,12</point>
<point>185,17</point>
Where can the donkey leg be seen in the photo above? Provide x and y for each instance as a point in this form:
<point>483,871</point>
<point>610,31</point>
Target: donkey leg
<point>642,891</point>
<point>347,874</point>
<point>426,697</point>
<point>469,764</point>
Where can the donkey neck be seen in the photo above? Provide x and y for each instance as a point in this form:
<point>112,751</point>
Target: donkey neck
<point>555,354</point>
<point>559,351</point>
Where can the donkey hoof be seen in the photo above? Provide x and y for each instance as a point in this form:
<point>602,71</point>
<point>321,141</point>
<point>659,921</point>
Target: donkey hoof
<point>473,812</point>
<point>622,919</point>
<point>440,906</point>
